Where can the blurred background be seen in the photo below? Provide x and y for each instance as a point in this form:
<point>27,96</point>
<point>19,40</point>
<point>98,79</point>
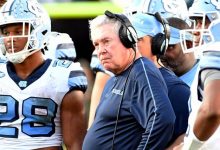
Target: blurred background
<point>71,16</point>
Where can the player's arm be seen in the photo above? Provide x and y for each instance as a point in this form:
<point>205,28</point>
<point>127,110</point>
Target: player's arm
<point>208,117</point>
<point>100,81</point>
<point>73,120</point>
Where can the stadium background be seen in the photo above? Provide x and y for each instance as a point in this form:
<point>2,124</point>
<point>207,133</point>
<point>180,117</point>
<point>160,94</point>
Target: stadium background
<point>72,18</point>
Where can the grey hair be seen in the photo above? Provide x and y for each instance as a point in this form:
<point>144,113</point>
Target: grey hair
<point>100,21</point>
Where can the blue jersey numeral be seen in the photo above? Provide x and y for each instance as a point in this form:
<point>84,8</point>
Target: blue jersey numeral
<point>62,63</point>
<point>39,114</point>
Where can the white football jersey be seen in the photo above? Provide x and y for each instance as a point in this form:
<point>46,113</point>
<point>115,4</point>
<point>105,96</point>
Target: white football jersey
<point>30,109</point>
<point>196,100</point>
<point>2,57</point>
<point>60,46</point>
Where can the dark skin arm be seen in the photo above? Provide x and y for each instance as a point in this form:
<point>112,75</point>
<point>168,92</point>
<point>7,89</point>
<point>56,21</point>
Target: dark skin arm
<point>73,120</point>
<point>208,117</point>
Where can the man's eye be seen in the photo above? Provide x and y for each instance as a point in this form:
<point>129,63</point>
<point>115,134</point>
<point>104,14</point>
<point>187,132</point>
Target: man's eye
<point>170,47</point>
<point>4,33</point>
<point>140,39</point>
<point>95,44</point>
<point>107,42</point>
<point>19,32</point>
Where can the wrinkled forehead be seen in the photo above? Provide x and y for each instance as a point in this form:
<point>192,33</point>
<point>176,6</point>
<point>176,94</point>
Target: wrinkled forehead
<point>103,31</point>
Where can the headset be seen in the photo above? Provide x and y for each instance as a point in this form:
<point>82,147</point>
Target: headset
<point>160,41</point>
<point>127,33</point>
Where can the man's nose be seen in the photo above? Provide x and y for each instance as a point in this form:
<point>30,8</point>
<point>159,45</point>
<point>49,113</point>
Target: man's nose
<point>10,38</point>
<point>101,50</point>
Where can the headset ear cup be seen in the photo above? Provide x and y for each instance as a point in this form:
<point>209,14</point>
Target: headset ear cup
<point>123,37</point>
<point>160,41</point>
<point>132,35</point>
<point>127,33</point>
<point>158,45</point>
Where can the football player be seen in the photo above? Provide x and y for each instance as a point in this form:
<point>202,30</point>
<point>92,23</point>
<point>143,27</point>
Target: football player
<point>41,100</point>
<point>204,120</point>
<point>202,13</point>
<point>203,129</point>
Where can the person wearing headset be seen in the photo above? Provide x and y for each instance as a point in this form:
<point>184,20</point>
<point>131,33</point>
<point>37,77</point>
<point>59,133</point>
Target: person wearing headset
<point>153,33</point>
<point>184,65</point>
<point>134,110</point>
<point>101,75</point>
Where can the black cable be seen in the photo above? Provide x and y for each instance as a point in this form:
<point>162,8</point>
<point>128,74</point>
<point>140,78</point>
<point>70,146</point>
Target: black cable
<point>122,98</point>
